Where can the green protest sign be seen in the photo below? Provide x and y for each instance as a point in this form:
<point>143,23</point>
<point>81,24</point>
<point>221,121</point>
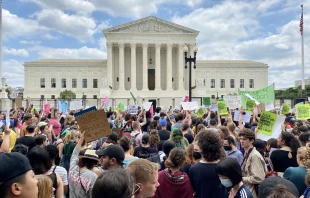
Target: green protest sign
<point>119,107</point>
<point>266,123</point>
<point>262,95</point>
<point>206,101</point>
<point>286,109</point>
<point>201,111</point>
<point>222,108</point>
<point>302,111</point>
<point>250,104</point>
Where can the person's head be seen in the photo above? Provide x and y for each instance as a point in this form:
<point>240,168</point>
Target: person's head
<point>213,123</point>
<point>115,183</point>
<point>190,158</point>
<point>303,129</point>
<point>303,156</point>
<point>125,143</point>
<point>88,159</point>
<point>40,140</point>
<point>260,146</point>
<point>145,174</point>
<point>229,143</point>
<point>180,116</point>
<point>17,178</point>
<point>177,136</point>
<point>45,186</point>
<point>247,138</point>
<point>270,184</point>
<point>304,138</point>
<point>229,172</point>
<point>201,127</point>
<point>111,156</point>
<point>30,129</point>
<point>39,160</point>
<point>280,191</point>
<point>210,144</point>
<point>20,148</point>
<point>113,138</point>
<point>53,152</point>
<point>231,126</point>
<point>109,114</point>
<point>272,143</point>
<point>70,136</point>
<point>145,139</point>
<point>176,158</point>
<point>27,119</point>
<point>158,109</point>
<point>163,123</point>
<point>223,132</point>
<point>168,146</point>
<point>69,120</point>
<point>43,127</point>
<point>154,138</point>
<point>185,127</point>
<point>288,139</point>
<point>136,126</point>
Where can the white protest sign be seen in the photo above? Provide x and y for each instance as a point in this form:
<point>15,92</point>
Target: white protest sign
<point>133,109</point>
<point>249,96</point>
<point>213,107</point>
<point>76,104</point>
<point>7,118</point>
<point>190,105</point>
<point>245,118</point>
<point>276,130</point>
<point>233,102</point>
<point>147,105</point>
<point>269,106</point>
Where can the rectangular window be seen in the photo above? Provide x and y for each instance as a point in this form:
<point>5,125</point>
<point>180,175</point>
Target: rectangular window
<point>212,83</point>
<point>42,82</point>
<point>251,83</point>
<point>84,83</point>
<point>241,83</point>
<point>232,83</point>
<point>63,83</point>
<point>95,83</point>
<point>74,83</point>
<point>53,96</point>
<point>42,96</point>
<point>222,83</point>
<point>84,96</point>
<point>213,96</point>
<point>53,82</point>
<point>94,96</point>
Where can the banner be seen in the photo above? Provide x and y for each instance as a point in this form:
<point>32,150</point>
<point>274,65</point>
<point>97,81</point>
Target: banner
<point>246,117</point>
<point>269,126</point>
<point>302,111</point>
<point>201,111</point>
<point>222,107</point>
<point>250,104</point>
<point>47,108</point>
<point>190,105</point>
<point>262,95</point>
<point>233,102</point>
<point>286,109</point>
<point>133,109</point>
<point>206,101</point>
<point>76,104</point>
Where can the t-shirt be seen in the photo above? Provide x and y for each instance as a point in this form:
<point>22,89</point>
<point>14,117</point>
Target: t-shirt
<point>205,181</point>
<point>307,193</point>
<point>61,171</point>
<point>281,161</point>
<point>56,126</point>
<point>243,192</point>
<point>164,134</point>
<point>144,152</point>
<point>27,141</point>
<point>144,128</point>
<point>189,137</point>
<point>297,176</point>
<point>127,161</point>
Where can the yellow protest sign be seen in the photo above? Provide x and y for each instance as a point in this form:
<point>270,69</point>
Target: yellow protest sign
<point>302,111</point>
<point>266,123</point>
<point>250,104</point>
<point>222,107</point>
<point>286,109</point>
<point>201,111</point>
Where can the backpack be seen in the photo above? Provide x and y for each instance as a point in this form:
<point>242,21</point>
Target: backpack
<point>133,139</point>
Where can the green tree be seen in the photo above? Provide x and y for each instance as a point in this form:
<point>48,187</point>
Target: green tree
<point>67,94</point>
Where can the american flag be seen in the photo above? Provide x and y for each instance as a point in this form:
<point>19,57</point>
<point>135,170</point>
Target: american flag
<point>301,25</point>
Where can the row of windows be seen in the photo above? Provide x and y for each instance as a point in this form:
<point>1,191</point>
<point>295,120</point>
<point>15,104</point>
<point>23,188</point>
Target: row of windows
<point>84,97</point>
<point>64,83</point>
<point>232,83</point>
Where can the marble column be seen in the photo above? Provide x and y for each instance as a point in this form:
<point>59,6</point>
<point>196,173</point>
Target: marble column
<point>145,68</point>
<point>169,66</point>
<point>157,67</point>
<point>191,50</point>
<point>133,67</point>
<point>121,81</point>
<point>109,64</point>
<point>181,67</point>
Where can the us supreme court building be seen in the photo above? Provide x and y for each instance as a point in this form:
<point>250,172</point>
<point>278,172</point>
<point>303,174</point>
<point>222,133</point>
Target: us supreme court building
<point>145,57</point>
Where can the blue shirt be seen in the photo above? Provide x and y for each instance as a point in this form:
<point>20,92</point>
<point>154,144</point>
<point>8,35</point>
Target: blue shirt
<point>307,193</point>
<point>235,154</point>
<point>243,192</point>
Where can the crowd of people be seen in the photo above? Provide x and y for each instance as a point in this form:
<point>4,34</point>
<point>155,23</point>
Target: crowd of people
<point>171,154</point>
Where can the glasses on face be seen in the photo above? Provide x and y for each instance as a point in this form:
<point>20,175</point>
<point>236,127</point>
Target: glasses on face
<point>137,189</point>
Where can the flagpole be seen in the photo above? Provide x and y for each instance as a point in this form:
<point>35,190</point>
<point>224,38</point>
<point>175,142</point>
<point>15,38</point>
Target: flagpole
<point>302,55</point>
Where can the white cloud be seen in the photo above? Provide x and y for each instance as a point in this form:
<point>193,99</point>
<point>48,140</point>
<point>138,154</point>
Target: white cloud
<point>15,52</point>
<point>13,71</point>
<point>194,3</point>
<point>26,42</point>
<point>50,37</point>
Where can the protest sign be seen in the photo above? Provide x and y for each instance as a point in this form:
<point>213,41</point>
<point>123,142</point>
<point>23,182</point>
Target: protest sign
<point>7,118</point>
<point>249,105</point>
<point>302,111</point>
<point>285,109</point>
<point>206,101</point>
<point>85,111</point>
<point>222,108</point>
<point>233,102</point>
<point>214,107</point>
<point>190,105</point>
<point>76,104</point>
<point>133,109</point>
<point>18,101</point>
<point>47,108</point>
<point>95,125</point>
<point>147,105</point>
<point>269,106</point>
<point>120,107</point>
<point>262,95</point>
<point>201,111</point>
<point>271,119</point>
<point>104,100</point>
<point>246,117</point>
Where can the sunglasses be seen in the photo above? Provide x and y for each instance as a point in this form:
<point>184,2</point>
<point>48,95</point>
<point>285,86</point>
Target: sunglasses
<point>137,189</point>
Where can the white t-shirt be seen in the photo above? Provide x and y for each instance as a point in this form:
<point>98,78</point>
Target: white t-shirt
<point>61,171</point>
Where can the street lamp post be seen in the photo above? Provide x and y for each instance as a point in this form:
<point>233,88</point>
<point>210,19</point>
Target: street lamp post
<point>190,60</point>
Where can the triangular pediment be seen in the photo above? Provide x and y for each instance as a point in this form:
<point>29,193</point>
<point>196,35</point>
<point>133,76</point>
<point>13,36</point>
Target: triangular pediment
<point>150,25</point>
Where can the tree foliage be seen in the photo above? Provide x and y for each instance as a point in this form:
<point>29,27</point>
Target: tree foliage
<point>67,94</point>
<point>291,93</point>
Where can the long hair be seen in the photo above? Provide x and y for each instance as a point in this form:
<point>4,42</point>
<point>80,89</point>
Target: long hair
<point>45,186</point>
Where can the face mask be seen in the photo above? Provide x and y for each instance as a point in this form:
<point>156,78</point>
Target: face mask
<point>227,148</point>
<point>197,155</point>
<point>226,182</point>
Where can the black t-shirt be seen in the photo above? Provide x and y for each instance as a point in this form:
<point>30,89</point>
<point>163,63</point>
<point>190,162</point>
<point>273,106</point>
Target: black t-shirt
<point>27,141</point>
<point>186,167</point>
<point>144,128</point>
<point>164,134</point>
<point>281,162</point>
<point>205,181</point>
<point>189,137</point>
<point>144,152</point>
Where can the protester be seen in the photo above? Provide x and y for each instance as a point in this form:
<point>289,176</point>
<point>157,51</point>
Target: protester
<point>187,133</point>
<point>304,138</point>
<point>306,194</point>
<point>41,140</point>
<point>272,145</point>
<point>273,184</point>
<point>45,186</point>
<point>231,150</point>
<point>158,157</point>
<point>20,148</point>
<point>167,147</point>
<point>27,122</point>
<point>28,139</point>
<point>69,145</point>
<point>144,151</point>
<point>126,144</point>
<point>173,182</point>
<point>111,156</point>
<point>55,123</point>
<point>192,157</point>
<point>164,134</point>
<point>177,137</point>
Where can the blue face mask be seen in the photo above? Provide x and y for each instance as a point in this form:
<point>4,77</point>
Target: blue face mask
<point>226,182</point>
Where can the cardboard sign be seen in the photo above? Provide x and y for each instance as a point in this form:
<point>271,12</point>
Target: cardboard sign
<point>214,107</point>
<point>147,105</point>
<point>18,101</point>
<point>190,105</point>
<point>95,124</point>
<point>206,101</point>
<point>47,108</point>
<point>85,111</point>
<point>222,107</point>
<point>262,95</point>
<point>286,109</point>
<point>276,121</point>
<point>249,105</point>
<point>266,123</point>
<point>133,109</point>
<point>233,102</point>
<point>302,111</point>
<point>76,104</point>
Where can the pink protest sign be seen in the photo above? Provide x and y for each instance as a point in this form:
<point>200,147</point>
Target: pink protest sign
<point>47,108</point>
<point>186,99</point>
<point>152,110</point>
<point>105,100</point>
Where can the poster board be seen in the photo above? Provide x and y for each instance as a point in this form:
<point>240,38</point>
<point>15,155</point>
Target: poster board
<point>302,111</point>
<point>233,102</point>
<point>206,101</point>
<point>147,105</point>
<point>222,107</point>
<point>250,104</point>
<point>276,130</point>
<point>133,109</point>
<point>18,102</point>
<point>190,105</point>
<point>47,108</point>
<point>95,124</point>
<point>76,104</point>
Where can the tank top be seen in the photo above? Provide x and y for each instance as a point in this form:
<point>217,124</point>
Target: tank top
<point>53,177</point>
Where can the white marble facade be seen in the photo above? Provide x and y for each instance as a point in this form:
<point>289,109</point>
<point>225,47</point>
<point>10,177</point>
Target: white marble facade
<point>128,67</point>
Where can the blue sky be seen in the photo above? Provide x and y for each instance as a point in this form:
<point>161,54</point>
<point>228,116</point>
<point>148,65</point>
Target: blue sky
<point>261,30</point>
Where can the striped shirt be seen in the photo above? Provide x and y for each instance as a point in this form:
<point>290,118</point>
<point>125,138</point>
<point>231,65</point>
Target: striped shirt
<point>243,192</point>
<point>62,173</point>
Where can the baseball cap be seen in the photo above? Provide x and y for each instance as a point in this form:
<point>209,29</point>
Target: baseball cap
<point>42,124</point>
<point>90,154</point>
<point>163,122</point>
<point>270,183</point>
<point>13,165</point>
<point>113,151</point>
